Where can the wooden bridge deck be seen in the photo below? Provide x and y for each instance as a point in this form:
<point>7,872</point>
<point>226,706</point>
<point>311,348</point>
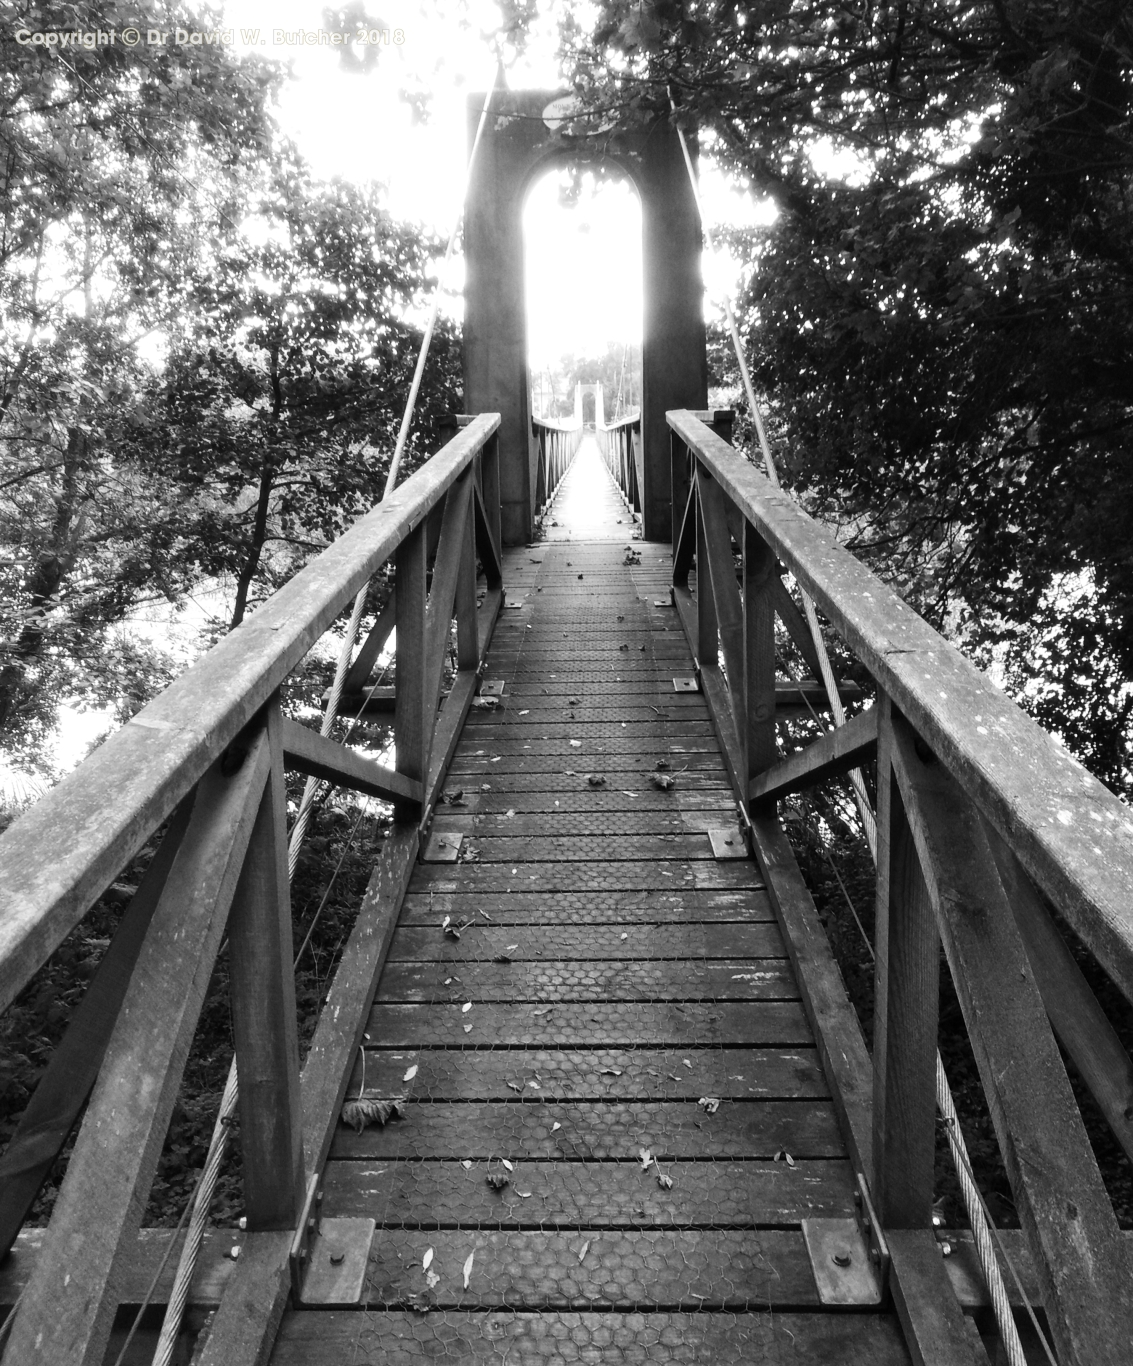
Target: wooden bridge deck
<point>611,982</point>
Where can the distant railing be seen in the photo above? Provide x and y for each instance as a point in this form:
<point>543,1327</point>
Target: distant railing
<point>620,444</point>
<point>558,442</point>
<point>207,759</point>
<point>984,823</point>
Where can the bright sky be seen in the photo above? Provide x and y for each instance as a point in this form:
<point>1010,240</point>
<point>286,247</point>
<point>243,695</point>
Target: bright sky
<point>359,126</point>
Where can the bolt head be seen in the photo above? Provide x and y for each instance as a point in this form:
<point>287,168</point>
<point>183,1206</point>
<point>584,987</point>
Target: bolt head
<point>841,1259</point>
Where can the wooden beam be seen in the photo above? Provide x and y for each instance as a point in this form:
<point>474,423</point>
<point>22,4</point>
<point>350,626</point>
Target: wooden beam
<point>115,800</point>
<point>1074,837</point>
<point>63,1089</point>
<point>1079,1021</point>
<point>372,646</point>
<point>442,591</point>
<point>906,995</point>
<point>829,756</point>
<point>313,754</point>
<point>68,1307</point>
<point>464,604</point>
<point>1086,1275</point>
<point>716,568</point>
<point>796,625</point>
<point>937,1331</point>
<point>412,723</point>
<point>758,722</point>
<point>264,1020</point>
<point>244,1329</point>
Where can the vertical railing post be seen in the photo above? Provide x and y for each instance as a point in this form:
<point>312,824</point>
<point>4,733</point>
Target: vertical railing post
<point>411,727</point>
<point>467,628</point>
<point>907,989</point>
<point>490,478</point>
<point>758,721</point>
<point>707,631</point>
<point>679,482</point>
<point>264,1021</point>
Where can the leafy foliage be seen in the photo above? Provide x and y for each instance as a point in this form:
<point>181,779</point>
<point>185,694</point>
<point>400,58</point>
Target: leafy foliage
<point>942,327</point>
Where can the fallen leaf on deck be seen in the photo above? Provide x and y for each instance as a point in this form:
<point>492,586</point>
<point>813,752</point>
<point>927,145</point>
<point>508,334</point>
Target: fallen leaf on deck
<point>432,1280</point>
<point>524,1195</point>
<point>509,814</point>
<point>485,703</point>
<point>526,712</point>
<point>661,764</point>
<point>623,647</point>
<point>576,744</point>
<point>497,1180</point>
<point>628,793</point>
<point>510,947</point>
<point>411,1073</point>
<point>468,1269</point>
<point>665,1182</point>
<point>466,1007</point>
<point>610,1072</point>
<point>452,932</point>
<point>466,1164</point>
<point>486,916</point>
<point>509,1165</point>
<point>624,936</point>
<point>468,1029</point>
<point>663,781</point>
<point>543,1012</point>
<point>427,1259</point>
<point>585,1249</point>
<point>687,1062</point>
<point>514,1086</point>
<point>359,1113</point>
<point>555,1126</point>
<point>595,780</point>
<point>574,701</point>
<point>709,1104</point>
<point>646,1158</point>
<point>485,787</point>
<point>784,1156</point>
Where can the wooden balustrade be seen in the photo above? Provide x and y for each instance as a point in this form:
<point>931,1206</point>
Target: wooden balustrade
<point>207,760</point>
<point>620,444</point>
<point>984,823</point>
<point>557,444</point>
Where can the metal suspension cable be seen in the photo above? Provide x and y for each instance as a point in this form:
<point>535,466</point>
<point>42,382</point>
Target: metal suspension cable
<point>982,1227</point>
<point>203,1196</point>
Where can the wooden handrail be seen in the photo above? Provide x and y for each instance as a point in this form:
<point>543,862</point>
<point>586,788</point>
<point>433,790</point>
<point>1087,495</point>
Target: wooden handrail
<point>974,801</point>
<point>111,804</point>
<point>1073,836</point>
<point>558,441</point>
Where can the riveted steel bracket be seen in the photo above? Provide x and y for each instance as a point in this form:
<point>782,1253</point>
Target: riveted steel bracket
<point>443,846</point>
<point>728,844</point>
<point>492,687</point>
<point>839,1258</point>
<point>686,685</point>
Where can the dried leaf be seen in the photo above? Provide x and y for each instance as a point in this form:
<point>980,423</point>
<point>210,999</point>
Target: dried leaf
<point>555,1126</point>
<point>466,1007</point>
<point>485,787</point>
<point>359,1113</point>
<point>427,1259</point>
<point>687,1062</point>
<point>485,703</point>
<point>468,1268</point>
<point>663,781</point>
<point>623,647</point>
<point>432,1280</point>
<point>624,936</point>
<point>515,1086</point>
<point>452,932</point>
<point>501,958</point>
<point>468,1029</point>
<point>509,1165</point>
<point>709,1104</point>
<point>574,701</point>
<point>526,712</point>
<point>466,1164</point>
<point>646,1158</point>
<point>584,1250</point>
<point>595,780</point>
<point>547,1011</point>
<point>453,798</point>
<point>411,1073</point>
<point>497,1180</point>
<point>486,916</point>
<point>628,793</point>
<point>524,1195</point>
<point>446,922</point>
<point>665,1182</point>
<point>610,1072</point>
<point>784,1156</point>
<point>661,765</point>
<point>576,744</point>
<point>509,814</point>
<point>510,947</point>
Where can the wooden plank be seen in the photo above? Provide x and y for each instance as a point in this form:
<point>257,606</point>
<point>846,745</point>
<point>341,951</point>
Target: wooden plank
<point>717,564</point>
<point>599,1075</point>
<point>1079,1021</point>
<point>1062,1204</point>
<point>264,1020</point>
<point>63,1089</point>
<point>1073,836</point>
<point>936,1330</point>
<point>413,718</point>
<point>625,908</point>
<point>738,979</point>
<point>468,652</point>
<point>828,757</point>
<point>122,793</point>
<point>795,623</point>
<point>831,1016</point>
<point>442,589</point>
<point>594,1195</point>
<point>249,1314</point>
<point>596,1024</point>
<point>68,1307</point>
<point>758,721</point>
<point>408,1337</point>
<point>309,752</point>
<point>907,995</point>
<point>693,942</point>
<point>596,1131</point>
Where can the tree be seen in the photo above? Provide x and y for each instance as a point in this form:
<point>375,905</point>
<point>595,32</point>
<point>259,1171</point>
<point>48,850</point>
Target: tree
<point>943,332</point>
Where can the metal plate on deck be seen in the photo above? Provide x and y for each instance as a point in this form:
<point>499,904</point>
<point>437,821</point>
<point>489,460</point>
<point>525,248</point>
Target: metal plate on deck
<point>492,687</point>
<point>685,685</point>
<point>338,1258</point>
<point>443,847</point>
<point>727,844</point>
<point>840,1261</point>
<point>520,602</point>
<point>662,602</point>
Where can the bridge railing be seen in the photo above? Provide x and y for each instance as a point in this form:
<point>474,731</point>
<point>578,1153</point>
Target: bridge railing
<point>990,837</point>
<point>620,444</point>
<point>206,760</point>
<point>558,442</point>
